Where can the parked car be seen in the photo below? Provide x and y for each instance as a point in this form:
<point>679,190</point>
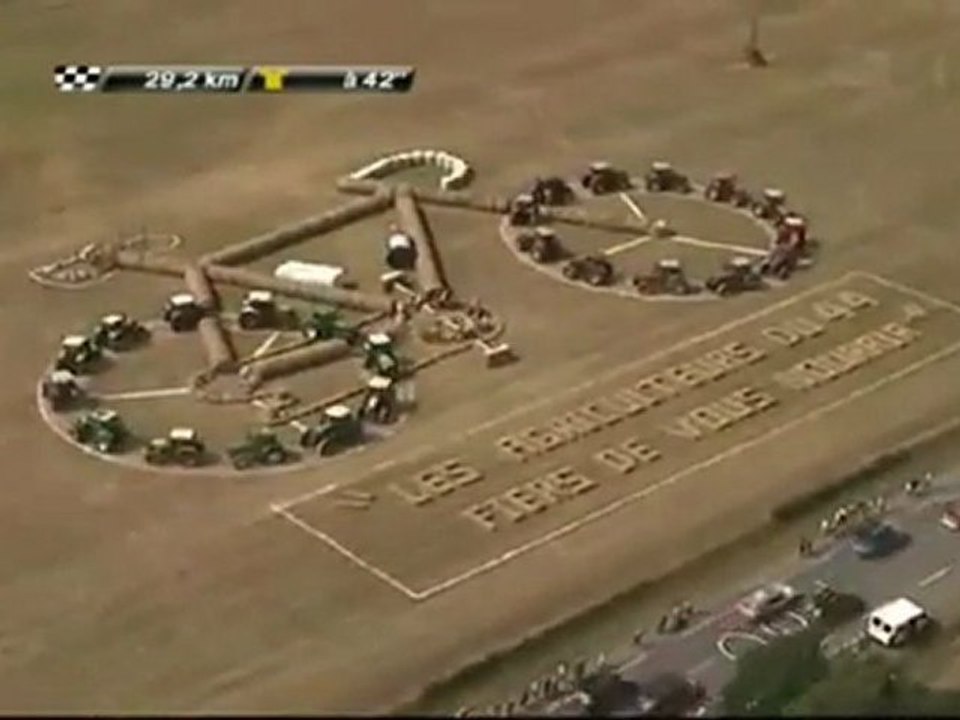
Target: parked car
<point>950,518</point>
<point>877,540</point>
<point>767,601</point>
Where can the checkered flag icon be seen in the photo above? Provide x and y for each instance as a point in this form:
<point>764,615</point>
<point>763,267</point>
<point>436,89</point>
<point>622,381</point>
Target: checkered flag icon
<point>77,78</point>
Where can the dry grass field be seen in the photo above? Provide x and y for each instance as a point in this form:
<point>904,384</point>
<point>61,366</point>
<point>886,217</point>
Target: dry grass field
<point>125,591</point>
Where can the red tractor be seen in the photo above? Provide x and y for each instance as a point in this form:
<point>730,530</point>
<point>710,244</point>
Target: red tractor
<point>792,231</point>
<point>667,278</point>
<point>601,178</point>
<point>594,270</point>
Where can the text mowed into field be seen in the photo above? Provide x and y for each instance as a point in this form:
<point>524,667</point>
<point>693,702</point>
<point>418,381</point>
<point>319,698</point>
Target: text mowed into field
<point>566,466</point>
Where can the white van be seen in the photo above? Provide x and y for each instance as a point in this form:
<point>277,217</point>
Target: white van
<point>896,622</point>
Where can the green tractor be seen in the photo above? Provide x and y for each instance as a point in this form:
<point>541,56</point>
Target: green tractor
<point>78,354</point>
<point>118,332</point>
<point>102,430</point>
<point>379,403</point>
<point>181,446</point>
<point>261,447</point>
<point>380,357</point>
<point>340,429</point>
<point>61,390</point>
<point>328,324</point>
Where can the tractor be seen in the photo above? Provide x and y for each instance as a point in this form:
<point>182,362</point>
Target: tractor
<point>181,446</point>
<point>401,251</point>
<point>61,390</point>
<point>601,178</point>
<point>328,324</point>
<point>667,278</point>
<point>551,191</point>
<point>380,357</point>
<point>119,332</point>
<point>594,270</point>
<point>722,188</point>
<point>182,312</point>
<point>781,261</point>
<point>792,231</point>
<point>261,447</point>
<point>524,211</point>
<point>102,430</point>
<point>542,245</point>
<point>771,205</point>
<point>379,403</point>
<point>340,429</point>
<point>737,276</point>
<point>78,354</point>
<point>260,311</point>
<point>662,177</point>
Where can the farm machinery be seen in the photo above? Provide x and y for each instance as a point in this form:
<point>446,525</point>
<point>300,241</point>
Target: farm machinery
<point>662,177</point>
<point>542,245</point>
<point>380,356</point>
<point>723,188</point>
<point>339,429</point>
<point>101,430</point>
<point>328,324</point>
<point>182,312</point>
<point>260,311</point>
<point>181,446</point>
<point>260,448</point>
<point>601,178</point>
<point>737,276</point>
<point>401,252</point>
<point>78,354</point>
<point>119,332</point>
<point>667,278</point>
<point>594,270</point>
<point>524,211</point>
<point>771,206</point>
<point>379,403</point>
<point>61,389</point>
<point>551,191</point>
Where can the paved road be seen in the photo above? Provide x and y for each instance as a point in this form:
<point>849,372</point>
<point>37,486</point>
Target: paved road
<point>928,570</point>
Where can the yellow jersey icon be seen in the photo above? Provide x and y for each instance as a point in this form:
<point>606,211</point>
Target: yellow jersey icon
<point>273,78</point>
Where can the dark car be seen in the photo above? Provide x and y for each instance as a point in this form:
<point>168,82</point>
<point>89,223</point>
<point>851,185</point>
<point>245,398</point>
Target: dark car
<point>668,695</point>
<point>878,540</point>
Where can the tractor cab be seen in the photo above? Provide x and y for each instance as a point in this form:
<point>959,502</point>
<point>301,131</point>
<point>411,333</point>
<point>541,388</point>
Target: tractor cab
<point>118,331</point>
<point>261,447</point>
<point>771,204</point>
<point>738,275</point>
<point>260,311</point>
<point>102,430</point>
<point>542,245</point>
<point>722,188</point>
<point>662,177</point>
<point>182,312</point>
<point>77,354</point>
<point>601,178</point>
<point>339,429</point>
<point>61,390</point>
<point>793,231</point>
<point>379,402</point>
<point>380,356</point>
<point>181,446</point>
<point>667,278</point>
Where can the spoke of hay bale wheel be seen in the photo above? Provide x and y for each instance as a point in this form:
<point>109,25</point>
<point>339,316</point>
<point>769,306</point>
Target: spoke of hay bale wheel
<point>288,235</point>
<point>221,356</point>
<point>199,285</point>
<point>261,371</point>
<point>133,260</point>
<point>429,266</point>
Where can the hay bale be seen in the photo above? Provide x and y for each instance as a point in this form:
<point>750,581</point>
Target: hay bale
<point>339,297</point>
<point>465,200</point>
<point>355,186</point>
<point>133,260</point>
<point>283,237</point>
<point>296,361</point>
<point>221,356</point>
<point>429,267</point>
<point>199,285</point>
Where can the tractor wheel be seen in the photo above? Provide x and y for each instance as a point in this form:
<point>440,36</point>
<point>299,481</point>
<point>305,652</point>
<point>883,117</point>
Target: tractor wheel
<point>275,457</point>
<point>249,321</point>
<point>242,462</point>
